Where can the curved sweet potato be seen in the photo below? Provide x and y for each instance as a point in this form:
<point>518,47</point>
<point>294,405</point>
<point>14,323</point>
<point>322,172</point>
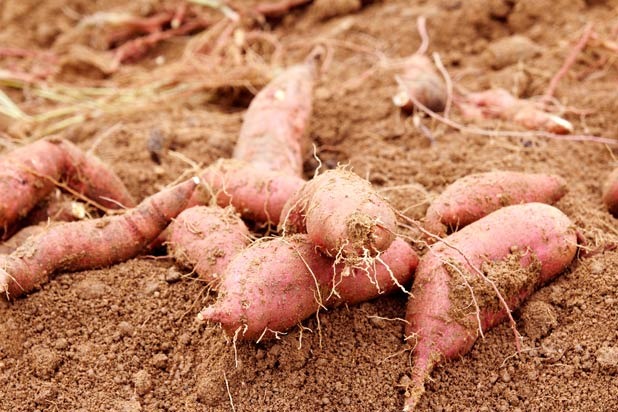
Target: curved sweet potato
<point>470,198</point>
<point>257,194</point>
<point>518,248</point>
<point>273,132</point>
<point>27,175</point>
<point>273,285</point>
<point>610,193</point>
<point>92,243</point>
<point>342,214</point>
<point>205,239</point>
<point>419,79</point>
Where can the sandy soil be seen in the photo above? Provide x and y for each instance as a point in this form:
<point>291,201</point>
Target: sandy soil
<point>124,338</point>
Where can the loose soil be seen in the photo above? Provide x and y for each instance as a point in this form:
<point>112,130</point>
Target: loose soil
<point>124,338</point>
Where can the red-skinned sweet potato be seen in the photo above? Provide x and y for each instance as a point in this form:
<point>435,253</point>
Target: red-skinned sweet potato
<point>205,239</point>
<point>29,173</point>
<point>518,248</point>
<point>275,284</point>
<point>470,198</point>
<point>420,79</point>
<point>273,133</point>
<point>93,243</point>
<point>257,194</point>
<point>342,214</point>
<point>610,193</point>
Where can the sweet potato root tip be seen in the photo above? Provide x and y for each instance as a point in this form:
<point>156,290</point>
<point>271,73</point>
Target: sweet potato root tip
<point>205,239</point>
<point>275,284</point>
<point>494,262</point>
<point>474,196</point>
<point>91,244</point>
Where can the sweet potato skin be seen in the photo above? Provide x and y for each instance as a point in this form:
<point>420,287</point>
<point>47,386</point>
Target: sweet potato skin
<point>91,244</point>
<point>274,285</point>
<point>544,235</point>
<point>419,79</point>
<point>474,196</point>
<point>610,193</point>
<point>257,194</point>
<point>206,239</point>
<point>27,175</point>
<point>342,214</point>
<point>273,133</point>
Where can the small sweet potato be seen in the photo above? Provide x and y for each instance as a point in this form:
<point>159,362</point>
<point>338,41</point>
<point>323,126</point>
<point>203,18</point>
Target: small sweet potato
<point>472,197</point>
<point>342,214</point>
<point>273,133</point>
<point>275,284</point>
<point>205,239</point>
<point>256,193</point>
<point>93,243</point>
<point>517,248</point>
<point>28,174</point>
<point>610,193</point>
<point>419,79</point>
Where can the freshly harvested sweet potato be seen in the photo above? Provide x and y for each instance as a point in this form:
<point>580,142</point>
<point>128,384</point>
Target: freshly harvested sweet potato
<point>610,193</point>
<point>205,239</point>
<point>29,173</point>
<point>275,284</point>
<point>470,198</point>
<point>500,104</point>
<point>256,193</point>
<point>273,134</point>
<point>93,243</point>
<point>517,248</point>
<point>342,214</point>
<point>420,79</point>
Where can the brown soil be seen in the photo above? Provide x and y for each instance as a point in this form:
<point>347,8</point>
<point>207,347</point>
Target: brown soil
<point>124,338</point>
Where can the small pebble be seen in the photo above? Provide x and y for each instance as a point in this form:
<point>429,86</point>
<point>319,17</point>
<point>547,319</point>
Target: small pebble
<point>125,328</point>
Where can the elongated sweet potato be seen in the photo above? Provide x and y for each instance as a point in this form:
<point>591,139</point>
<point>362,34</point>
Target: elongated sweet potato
<point>273,285</point>
<point>91,244</point>
<point>257,194</point>
<point>27,175</point>
<point>610,193</point>
<point>500,104</point>
<point>419,79</point>
<point>205,239</point>
<point>342,214</point>
<point>518,248</point>
<point>273,134</point>
<point>470,198</point>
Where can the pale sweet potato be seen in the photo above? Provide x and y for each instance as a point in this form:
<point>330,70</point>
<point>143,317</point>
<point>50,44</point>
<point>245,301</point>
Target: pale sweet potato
<point>274,285</point>
<point>205,239</point>
<point>342,214</point>
<point>90,244</point>
<point>472,197</point>
<point>420,80</point>
<point>518,248</point>
<point>273,133</point>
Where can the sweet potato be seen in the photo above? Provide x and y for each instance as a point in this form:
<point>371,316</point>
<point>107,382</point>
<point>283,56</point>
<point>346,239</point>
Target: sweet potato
<point>420,79</point>
<point>500,104</point>
<point>472,197</point>
<point>257,194</point>
<point>273,134</point>
<point>90,244</point>
<point>29,173</point>
<point>342,214</point>
<point>273,285</point>
<point>205,239</point>
<point>610,193</point>
<point>518,248</point>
